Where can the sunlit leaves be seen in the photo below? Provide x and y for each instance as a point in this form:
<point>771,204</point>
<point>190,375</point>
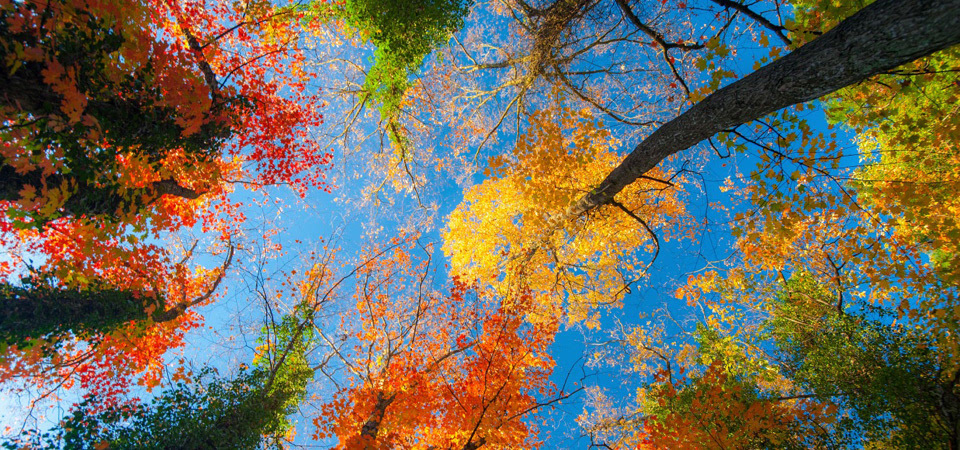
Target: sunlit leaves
<point>444,369</point>
<point>503,232</point>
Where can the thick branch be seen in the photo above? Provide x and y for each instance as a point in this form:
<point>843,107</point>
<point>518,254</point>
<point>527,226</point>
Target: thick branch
<point>878,38</point>
<point>208,74</point>
<point>35,311</point>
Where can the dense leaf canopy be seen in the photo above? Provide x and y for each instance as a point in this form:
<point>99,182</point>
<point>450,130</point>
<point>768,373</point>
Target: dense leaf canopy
<point>559,223</point>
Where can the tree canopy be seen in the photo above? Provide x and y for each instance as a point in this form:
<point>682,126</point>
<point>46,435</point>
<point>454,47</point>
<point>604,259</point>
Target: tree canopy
<point>480,224</point>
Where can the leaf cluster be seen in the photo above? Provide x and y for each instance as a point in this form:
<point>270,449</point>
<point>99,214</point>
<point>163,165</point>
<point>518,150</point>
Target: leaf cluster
<point>404,33</point>
<point>206,411</point>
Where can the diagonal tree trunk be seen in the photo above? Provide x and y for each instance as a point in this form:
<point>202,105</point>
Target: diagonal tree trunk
<point>880,37</point>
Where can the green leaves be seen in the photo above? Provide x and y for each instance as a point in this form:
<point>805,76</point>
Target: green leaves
<point>404,33</point>
<point>887,378</point>
<point>207,411</point>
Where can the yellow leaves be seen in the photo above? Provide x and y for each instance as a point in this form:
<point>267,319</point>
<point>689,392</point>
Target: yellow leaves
<point>504,234</point>
<point>54,199</point>
<point>700,93</point>
<point>27,196</point>
<point>696,286</point>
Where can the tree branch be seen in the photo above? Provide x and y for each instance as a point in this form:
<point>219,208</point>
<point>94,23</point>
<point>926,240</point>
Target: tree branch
<point>878,38</point>
<point>755,16</point>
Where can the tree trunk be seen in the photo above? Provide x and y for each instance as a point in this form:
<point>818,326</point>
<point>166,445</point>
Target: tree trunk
<point>33,312</point>
<point>85,198</point>
<point>371,428</point>
<point>880,37</point>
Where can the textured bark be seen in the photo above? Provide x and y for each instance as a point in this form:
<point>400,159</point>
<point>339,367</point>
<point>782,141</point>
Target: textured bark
<point>880,37</point>
<point>33,312</point>
<point>86,199</point>
<point>24,90</point>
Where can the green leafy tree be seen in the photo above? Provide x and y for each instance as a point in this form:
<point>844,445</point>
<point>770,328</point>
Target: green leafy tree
<point>404,33</point>
<point>887,377</point>
<point>203,411</point>
<point>209,412</point>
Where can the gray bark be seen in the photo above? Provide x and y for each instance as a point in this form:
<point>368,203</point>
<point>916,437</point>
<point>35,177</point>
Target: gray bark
<point>880,37</point>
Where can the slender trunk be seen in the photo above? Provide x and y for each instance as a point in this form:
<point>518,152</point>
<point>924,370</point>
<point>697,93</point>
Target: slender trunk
<point>371,428</point>
<point>880,37</point>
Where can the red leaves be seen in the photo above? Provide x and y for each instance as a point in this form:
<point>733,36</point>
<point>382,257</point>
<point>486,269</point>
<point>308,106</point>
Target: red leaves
<point>435,369</point>
<point>222,63</point>
<point>462,341</point>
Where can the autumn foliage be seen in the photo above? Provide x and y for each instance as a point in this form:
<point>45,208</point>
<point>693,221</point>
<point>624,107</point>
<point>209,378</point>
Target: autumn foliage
<point>452,369</point>
<point>790,281</point>
<point>501,234</point>
<point>104,155</point>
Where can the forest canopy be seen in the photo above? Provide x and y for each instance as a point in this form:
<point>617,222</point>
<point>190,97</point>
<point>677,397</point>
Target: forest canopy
<point>480,224</point>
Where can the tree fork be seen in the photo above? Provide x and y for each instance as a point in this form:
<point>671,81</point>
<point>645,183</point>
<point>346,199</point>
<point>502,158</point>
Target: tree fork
<point>880,37</point>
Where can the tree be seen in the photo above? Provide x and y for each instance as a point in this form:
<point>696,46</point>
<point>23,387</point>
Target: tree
<point>890,378</point>
<point>704,388</point>
<point>824,69</point>
<point>830,322</point>
<point>436,369</point>
<point>864,292</point>
<point>137,102</point>
<point>404,34</point>
<point>105,155</point>
<point>92,110</point>
<point>99,338</point>
<point>204,410</point>
<point>797,224</point>
<point>878,38</point>
<point>797,372</point>
<point>858,308</point>
<point>495,234</point>
<point>770,88</point>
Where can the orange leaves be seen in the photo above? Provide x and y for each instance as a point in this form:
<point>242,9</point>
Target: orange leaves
<point>694,404</point>
<point>108,364</point>
<point>434,369</point>
<point>714,410</point>
<point>64,82</point>
<point>140,129</point>
<point>109,361</point>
